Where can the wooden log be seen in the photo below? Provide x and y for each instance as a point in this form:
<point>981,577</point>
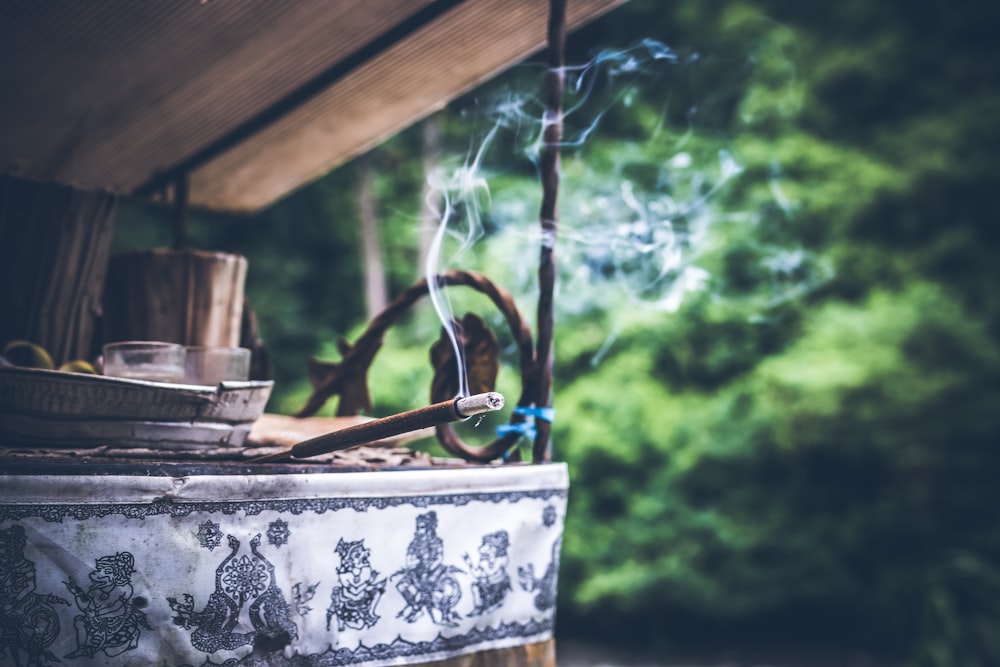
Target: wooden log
<point>191,297</point>
<point>540,654</point>
<point>54,247</point>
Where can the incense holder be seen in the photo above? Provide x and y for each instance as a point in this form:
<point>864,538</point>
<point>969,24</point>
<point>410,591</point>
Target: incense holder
<point>370,568</point>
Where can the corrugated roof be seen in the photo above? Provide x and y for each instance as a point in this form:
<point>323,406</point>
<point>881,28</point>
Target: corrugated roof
<point>250,98</point>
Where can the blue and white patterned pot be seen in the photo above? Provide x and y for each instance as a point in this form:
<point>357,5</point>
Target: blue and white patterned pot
<point>361,568</point>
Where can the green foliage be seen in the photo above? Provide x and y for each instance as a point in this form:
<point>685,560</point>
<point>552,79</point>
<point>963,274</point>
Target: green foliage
<point>824,457</point>
<point>960,613</point>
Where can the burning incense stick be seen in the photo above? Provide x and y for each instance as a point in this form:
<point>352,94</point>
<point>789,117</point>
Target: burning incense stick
<point>457,409</point>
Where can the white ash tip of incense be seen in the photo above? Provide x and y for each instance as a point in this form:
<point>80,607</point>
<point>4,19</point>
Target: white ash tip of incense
<point>479,403</point>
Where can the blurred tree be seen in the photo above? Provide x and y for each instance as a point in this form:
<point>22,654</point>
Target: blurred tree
<point>376,296</point>
<point>820,467</point>
<point>430,212</point>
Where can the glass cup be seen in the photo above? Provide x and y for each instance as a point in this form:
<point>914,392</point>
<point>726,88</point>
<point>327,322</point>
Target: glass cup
<point>145,360</point>
<point>211,365</point>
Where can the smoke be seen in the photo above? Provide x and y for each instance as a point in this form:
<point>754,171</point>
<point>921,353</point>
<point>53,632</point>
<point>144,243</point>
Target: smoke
<point>650,189</point>
<point>647,241</point>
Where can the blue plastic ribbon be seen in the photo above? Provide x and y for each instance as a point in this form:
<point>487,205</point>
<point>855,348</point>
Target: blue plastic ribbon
<point>545,414</point>
<point>527,427</point>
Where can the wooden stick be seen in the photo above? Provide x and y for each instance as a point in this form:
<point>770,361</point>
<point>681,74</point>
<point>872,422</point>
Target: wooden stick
<point>549,222</point>
<point>457,409</point>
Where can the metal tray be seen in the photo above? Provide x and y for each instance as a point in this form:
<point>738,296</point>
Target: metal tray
<point>74,409</point>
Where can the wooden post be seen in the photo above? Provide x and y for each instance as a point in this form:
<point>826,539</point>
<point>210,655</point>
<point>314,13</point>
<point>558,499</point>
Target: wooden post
<point>549,219</point>
<point>54,246</point>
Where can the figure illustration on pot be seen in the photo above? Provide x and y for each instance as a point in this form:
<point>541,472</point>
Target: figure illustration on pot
<point>544,587</point>
<point>354,598</point>
<point>28,623</point>
<point>426,583</point>
<point>111,617</point>
<point>243,585</point>
<point>491,579</point>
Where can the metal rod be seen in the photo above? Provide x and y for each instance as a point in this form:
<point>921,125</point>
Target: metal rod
<point>456,409</point>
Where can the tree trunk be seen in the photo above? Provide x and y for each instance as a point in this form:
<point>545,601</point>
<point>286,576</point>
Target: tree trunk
<point>54,246</point>
<point>430,213</point>
<point>376,294</point>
